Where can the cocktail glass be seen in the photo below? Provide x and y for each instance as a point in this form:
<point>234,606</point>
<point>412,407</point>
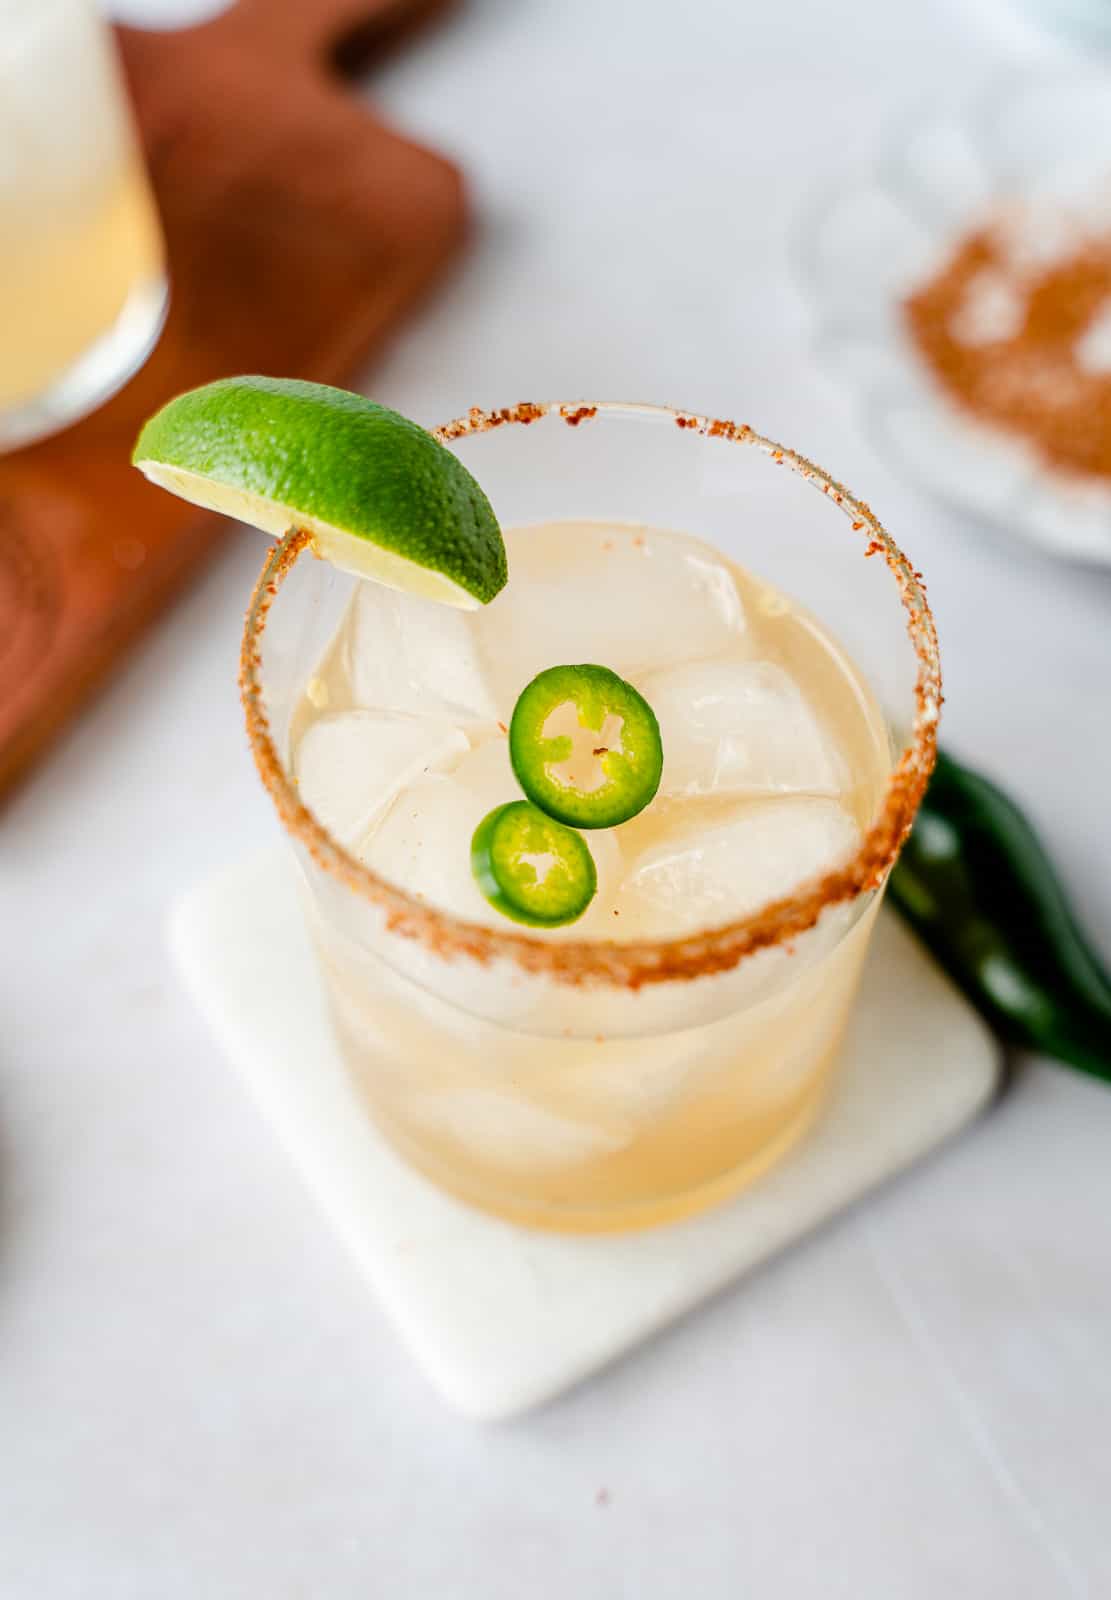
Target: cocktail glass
<point>82,280</point>
<point>587,1085</point>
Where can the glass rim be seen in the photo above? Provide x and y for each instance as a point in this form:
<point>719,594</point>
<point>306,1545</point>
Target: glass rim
<point>633,964</point>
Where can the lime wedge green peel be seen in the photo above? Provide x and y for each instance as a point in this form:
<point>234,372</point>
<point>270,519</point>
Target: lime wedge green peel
<point>532,868</point>
<point>585,746</point>
<point>379,496</point>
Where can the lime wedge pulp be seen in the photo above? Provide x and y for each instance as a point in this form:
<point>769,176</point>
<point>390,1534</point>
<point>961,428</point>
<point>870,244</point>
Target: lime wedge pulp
<point>379,496</point>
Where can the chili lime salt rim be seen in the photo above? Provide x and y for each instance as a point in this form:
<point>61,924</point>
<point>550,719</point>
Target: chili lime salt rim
<point>634,964</point>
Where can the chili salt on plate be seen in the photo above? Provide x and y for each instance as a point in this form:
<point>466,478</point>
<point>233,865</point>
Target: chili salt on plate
<point>962,294</point>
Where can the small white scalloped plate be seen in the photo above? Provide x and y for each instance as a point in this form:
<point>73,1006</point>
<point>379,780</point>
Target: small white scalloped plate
<point>861,249</point>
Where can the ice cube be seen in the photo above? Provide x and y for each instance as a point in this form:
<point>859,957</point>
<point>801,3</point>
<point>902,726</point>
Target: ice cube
<point>740,727</point>
<point>352,765</point>
<point>703,873</point>
<point>403,653</point>
<point>510,1130</point>
<point>423,842</point>
<point>615,595</point>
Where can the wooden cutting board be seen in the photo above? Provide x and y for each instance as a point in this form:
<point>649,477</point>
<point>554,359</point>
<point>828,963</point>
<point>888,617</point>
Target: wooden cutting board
<point>299,229</point>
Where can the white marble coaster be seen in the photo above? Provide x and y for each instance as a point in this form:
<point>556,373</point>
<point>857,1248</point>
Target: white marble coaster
<point>502,1318</point>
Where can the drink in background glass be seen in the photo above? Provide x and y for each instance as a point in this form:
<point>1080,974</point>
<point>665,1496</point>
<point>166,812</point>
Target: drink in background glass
<point>82,280</point>
<point>657,1054</point>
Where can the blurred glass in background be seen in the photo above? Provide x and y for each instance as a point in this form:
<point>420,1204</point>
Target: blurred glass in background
<point>83,288</point>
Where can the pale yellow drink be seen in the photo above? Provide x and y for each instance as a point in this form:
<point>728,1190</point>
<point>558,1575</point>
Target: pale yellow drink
<point>775,759</point>
<point>82,287</point>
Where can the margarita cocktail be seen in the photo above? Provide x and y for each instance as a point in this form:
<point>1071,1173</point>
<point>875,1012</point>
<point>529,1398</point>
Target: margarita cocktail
<point>82,280</point>
<point>594,820</point>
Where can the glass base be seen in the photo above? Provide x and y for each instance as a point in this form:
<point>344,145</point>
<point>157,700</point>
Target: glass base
<point>98,372</point>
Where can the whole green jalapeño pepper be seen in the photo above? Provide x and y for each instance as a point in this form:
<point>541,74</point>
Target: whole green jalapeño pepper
<point>974,882</point>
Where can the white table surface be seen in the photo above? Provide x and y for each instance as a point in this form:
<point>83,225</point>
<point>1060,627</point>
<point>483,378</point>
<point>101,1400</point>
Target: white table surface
<point>197,1397</point>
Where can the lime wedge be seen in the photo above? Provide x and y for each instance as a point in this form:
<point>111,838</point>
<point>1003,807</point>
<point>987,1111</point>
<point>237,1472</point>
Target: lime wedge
<point>379,496</point>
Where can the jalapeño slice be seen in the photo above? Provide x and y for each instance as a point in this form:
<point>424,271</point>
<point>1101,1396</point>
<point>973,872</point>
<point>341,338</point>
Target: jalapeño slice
<point>585,746</point>
<point>532,868</point>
